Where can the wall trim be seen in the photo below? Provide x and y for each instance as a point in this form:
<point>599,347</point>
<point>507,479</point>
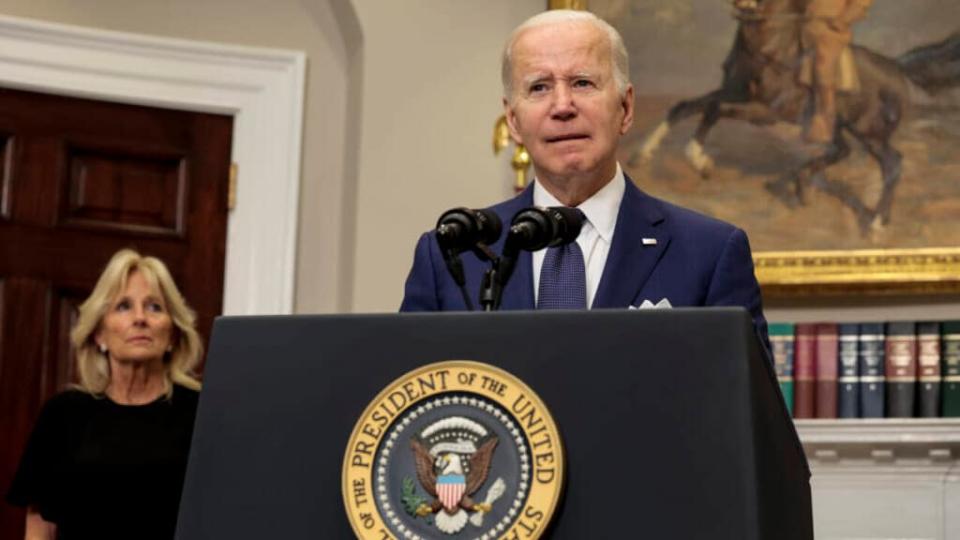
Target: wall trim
<point>262,88</point>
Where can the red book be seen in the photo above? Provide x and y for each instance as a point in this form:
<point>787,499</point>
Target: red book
<point>805,371</point>
<point>827,365</point>
<point>928,362</point>
<point>901,368</point>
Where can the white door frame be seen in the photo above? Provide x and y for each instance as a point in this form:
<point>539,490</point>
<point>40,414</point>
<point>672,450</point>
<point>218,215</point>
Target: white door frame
<point>261,88</point>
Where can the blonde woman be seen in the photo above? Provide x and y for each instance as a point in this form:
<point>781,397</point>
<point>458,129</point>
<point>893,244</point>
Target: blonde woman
<point>107,458</point>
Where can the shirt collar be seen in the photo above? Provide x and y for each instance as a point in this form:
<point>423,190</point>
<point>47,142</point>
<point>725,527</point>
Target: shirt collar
<point>601,209</point>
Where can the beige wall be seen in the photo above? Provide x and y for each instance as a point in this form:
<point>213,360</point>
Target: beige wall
<point>897,308</point>
<point>400,102</point>
<point>431,96</point>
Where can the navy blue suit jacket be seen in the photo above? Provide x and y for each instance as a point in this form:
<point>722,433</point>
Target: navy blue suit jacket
<point>696,261</point>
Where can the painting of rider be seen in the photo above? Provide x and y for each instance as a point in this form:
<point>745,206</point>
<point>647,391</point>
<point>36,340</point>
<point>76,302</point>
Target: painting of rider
<point>812,124</point>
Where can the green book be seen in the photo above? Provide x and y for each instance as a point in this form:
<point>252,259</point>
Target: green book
<point>782,340</point>
<point>950,356</point>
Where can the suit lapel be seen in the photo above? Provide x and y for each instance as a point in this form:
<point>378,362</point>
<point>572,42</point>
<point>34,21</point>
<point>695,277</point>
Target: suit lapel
<point>630,262</point>
<point>518,293</point>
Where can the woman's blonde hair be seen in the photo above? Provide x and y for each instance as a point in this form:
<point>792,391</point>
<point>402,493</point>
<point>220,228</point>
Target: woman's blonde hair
<point>93,366</point>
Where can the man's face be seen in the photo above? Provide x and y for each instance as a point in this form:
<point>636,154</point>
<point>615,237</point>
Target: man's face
<point>564,106</point>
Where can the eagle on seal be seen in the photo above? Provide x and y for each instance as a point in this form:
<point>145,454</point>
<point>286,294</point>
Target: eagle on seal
<point>443,478</point>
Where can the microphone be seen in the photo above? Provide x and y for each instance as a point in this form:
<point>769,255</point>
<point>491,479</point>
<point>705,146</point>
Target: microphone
<point>461,229</point>
<point>535,228</point>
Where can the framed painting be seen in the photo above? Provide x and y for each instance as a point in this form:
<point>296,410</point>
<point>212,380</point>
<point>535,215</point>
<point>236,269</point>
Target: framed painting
<point>725,93</point>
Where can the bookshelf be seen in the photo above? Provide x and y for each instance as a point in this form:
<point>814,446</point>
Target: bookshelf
<point>879,478</point>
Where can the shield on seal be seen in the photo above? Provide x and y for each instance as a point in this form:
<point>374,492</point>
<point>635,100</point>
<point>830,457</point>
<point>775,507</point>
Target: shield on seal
<point>450,488</point>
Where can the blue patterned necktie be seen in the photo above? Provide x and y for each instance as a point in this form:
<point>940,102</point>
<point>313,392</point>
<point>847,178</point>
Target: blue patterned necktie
<point>563,282</point>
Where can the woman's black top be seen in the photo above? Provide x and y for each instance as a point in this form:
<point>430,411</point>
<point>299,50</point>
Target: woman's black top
<point>102,470</point>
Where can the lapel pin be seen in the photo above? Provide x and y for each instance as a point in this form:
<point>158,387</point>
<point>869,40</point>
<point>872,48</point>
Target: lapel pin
<point>649,241</point>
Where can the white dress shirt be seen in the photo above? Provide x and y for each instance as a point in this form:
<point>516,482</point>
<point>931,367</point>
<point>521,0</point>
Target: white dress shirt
<point>596,236</point>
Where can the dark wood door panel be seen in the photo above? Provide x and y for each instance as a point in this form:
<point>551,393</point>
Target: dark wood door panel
<point>79,180</point>
<point>29,250</point>
<point>6,159</point>
<point>32,113</point>
<point>121,191</point>
<point>26,309</point>
<point>59,369</point>
<point>36,165</point>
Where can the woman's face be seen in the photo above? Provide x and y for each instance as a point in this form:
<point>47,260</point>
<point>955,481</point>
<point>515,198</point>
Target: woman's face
<point>137,327</point>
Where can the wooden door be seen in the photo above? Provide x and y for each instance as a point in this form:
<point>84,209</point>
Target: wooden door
<point>79,180</point>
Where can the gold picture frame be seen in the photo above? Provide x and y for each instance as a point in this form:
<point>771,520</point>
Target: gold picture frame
<point>567,4</point>
<point>786,273</point>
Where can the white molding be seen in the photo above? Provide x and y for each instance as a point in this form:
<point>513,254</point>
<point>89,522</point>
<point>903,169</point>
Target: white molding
<point>879,431</point>
<point>263,90</point>
<point>884,478</point>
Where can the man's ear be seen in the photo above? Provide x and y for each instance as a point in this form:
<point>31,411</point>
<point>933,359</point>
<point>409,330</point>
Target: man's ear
<point>511,117</point>
<point>627,104</point>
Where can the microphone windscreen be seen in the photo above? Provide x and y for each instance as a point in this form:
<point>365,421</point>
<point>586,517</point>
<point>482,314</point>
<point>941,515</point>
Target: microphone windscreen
<point>460,229</point>
<point>567,223</point>
<point>489,225</point>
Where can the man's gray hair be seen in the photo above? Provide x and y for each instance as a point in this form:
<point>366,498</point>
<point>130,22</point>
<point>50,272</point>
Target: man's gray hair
<point>618,51</point>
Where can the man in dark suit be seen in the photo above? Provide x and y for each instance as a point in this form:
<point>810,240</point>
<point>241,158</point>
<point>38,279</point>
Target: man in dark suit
<point>568,99</point>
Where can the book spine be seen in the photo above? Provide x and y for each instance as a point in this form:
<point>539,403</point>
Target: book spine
<point>848,381</point>
<point>826,393</point>
<point>782,341</point>
<point>928,360</point>
<point>805,371</point>
<point>871,365</point>
<point>950,351</point>
<point>901,364</point>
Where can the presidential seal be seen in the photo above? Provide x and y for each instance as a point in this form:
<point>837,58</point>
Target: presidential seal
<point>453,450</point>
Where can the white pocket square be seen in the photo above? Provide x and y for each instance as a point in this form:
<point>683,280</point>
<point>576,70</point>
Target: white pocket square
<point>647,304</point>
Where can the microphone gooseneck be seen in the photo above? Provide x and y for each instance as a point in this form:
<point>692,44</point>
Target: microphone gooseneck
<point>462,229</point>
